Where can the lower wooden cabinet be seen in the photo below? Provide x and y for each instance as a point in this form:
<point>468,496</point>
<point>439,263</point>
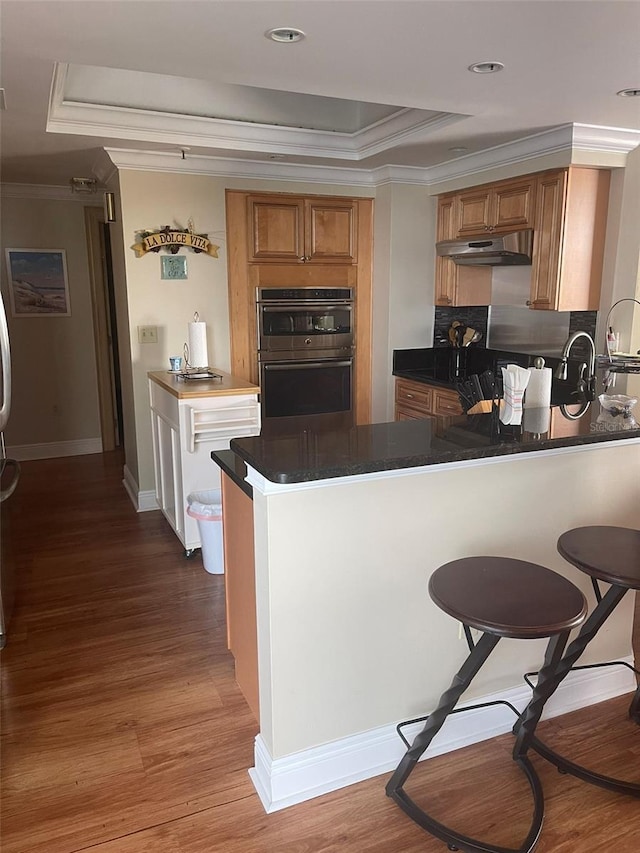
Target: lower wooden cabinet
<point>417,400</point>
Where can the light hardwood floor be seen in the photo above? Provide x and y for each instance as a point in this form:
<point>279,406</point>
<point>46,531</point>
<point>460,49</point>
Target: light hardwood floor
<point>123,730</point>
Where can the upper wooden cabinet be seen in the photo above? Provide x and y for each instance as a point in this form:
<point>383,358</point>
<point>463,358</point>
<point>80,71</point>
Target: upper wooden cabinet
<point>454,284</point>
<point>286,229</point>
<point>499,207</point>
<point>567,209</point>
<point>568,246</point>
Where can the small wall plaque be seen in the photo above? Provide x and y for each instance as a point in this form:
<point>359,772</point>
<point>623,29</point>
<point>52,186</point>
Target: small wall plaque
<point>173,267</point>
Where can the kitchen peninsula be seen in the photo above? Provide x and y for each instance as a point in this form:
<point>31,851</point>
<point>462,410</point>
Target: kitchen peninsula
<point>348,526</point>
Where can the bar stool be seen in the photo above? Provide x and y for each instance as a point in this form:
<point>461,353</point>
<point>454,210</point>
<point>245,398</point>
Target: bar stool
<point>612,555</point>
<point>501,597</point>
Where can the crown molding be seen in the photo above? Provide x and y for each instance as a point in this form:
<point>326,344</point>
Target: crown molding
<point>562,141</point>
<point>52,193</point>
<point>227,167</point>
<point>612,140</point>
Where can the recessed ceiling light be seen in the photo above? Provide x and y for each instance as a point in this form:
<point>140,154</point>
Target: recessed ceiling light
<point>458,149</point>
<point>489,67</point>
<point>285,34</point>
<point>629,93</point>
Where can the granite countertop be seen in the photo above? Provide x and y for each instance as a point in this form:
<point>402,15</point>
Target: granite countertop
<point>234,468</point>
<point>184,389</point>
<point>310,456</point>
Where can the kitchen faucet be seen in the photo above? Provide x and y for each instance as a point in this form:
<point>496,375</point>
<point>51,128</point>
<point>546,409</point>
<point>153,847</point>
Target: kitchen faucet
<point>586,382</point>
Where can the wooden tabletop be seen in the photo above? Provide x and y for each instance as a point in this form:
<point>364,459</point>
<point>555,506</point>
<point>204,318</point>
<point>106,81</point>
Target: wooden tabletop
<point>187,388</point>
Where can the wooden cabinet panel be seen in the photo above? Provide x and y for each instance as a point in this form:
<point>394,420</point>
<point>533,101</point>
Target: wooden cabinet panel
<point>447,225</point>
<point>460,285</point>
<point>277,231</point>
<point>331,228</point>
<point>446,402</point>
<point>240,588</point>
<point>568,249</point>
<point>419,400</point>
<point>498,207</point>
<point>456,285</point>
<point>414,395</point>
<point>300,230</point>
<point>474,213</point>
<point>513,206</point>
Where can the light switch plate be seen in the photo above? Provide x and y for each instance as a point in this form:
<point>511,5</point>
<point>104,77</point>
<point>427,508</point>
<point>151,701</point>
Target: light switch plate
<point>147,334</point>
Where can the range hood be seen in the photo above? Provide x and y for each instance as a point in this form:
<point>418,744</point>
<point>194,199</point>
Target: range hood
<point>511,249</point>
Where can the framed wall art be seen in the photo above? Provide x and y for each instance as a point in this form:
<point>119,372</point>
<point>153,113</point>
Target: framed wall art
<point>38,282</point>
<point>173,267</point>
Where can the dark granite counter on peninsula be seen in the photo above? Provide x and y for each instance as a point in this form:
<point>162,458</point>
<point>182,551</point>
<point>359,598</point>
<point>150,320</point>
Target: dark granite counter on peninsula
<point>408,444</point>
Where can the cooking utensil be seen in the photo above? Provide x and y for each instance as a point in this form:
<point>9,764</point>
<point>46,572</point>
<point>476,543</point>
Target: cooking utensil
<point>453,332</point>
<point>460,332</point>
<point>474,338</point>
<point>468,335</point>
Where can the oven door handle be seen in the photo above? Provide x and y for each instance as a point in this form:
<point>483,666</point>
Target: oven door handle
<point>305,365</point>
<point>318,308</point>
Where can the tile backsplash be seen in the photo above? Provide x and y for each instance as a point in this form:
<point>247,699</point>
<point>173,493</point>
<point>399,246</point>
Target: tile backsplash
<point>511,327</point>
<point>476,317</point>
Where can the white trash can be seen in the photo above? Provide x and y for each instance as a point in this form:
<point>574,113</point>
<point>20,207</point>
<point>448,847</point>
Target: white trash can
<point>206,508</point>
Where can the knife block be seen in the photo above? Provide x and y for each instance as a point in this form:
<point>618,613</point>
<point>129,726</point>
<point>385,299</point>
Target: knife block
<point>483,407</point>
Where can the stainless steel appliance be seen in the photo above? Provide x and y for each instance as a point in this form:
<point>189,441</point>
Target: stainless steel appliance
<point>9,476</point>
<point>306,357</point>
<point>511,249</point>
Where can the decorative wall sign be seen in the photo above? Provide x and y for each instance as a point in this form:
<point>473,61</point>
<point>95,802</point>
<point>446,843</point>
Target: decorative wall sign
<point>172,240</point>
<point>173,267</point>
<point>38,284</point>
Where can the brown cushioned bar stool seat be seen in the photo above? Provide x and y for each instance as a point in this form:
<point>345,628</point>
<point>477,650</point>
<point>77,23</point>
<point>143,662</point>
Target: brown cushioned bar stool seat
<point>501,597</point>
<point>611,555</point>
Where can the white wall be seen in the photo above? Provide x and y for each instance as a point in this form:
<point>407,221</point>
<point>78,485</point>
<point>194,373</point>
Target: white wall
<point>55,398</point>
<point>348,637</point>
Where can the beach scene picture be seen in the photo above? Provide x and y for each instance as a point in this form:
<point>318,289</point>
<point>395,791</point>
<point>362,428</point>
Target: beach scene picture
<point>38,282</point>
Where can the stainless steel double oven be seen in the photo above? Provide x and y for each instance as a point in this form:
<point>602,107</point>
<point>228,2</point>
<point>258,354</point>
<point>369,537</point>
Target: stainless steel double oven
<point>306,357</point>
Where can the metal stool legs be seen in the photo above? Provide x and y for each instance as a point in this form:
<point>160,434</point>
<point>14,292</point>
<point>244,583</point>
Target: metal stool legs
<point>478,655</point>
<point>601,613</point>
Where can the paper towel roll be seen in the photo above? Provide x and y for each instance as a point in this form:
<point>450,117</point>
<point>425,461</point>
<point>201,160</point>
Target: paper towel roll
<point>538,393</point>
<point>536,420</point>
<point>198,356</point>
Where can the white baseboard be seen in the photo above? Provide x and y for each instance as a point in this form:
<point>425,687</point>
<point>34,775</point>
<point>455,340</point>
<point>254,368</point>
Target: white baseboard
<point>142,501</point>
<point>54,449</point>
<point>295,778</point>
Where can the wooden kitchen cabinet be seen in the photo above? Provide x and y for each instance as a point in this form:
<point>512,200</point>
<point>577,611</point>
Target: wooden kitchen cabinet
<point>569,233</point>
<point>499,207</point>
<point>302,230</point>
<point>417,400</point>
<point>454,284</point>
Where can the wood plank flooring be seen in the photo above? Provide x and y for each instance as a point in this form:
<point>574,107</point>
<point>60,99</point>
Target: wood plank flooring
<point>123,730</point>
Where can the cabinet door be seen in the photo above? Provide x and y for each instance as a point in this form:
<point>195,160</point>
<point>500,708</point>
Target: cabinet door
<point>276,230</point>
<point>551,194</point>
<point>330,231</point>
<point>474,212</point>
<point>447,225</point>
<point>414,396</point>
<point>446,402</point>
<point>513,206</point>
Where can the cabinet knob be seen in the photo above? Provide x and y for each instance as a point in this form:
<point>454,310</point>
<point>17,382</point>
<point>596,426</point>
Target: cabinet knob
<point>302,258</point>
<point>528,302</point>
<point>410,396</point>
